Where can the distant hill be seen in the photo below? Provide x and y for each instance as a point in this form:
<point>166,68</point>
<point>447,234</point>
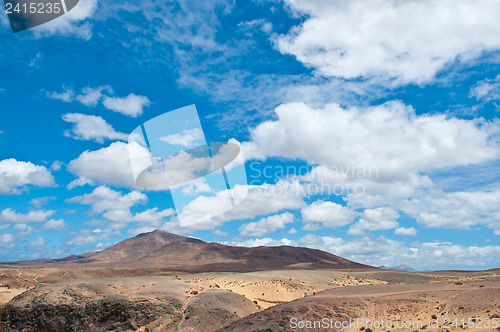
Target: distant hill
<point>398,268</point>
<point>172,252</point>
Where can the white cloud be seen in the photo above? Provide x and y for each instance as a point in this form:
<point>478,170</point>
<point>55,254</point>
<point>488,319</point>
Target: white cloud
<point>87,236</point>
<point>259,201</point>
<point>383,251</point>
<point>460,210</point>
<point>261,242</point>
<point>90,97</point>
<point>152,216</point>
<point>102,199</point>
<point>66,96</point>
<point>7,240</point>
<point>132,105</point>
<point>80,182</point>
<point>23,228</point>
<point>110,165</point>
<point>73,23</point>
<point>37,245</point>
<point>9,215</point>
<point>41,201</point>
<point>261,24</point>
<point>195,187</point>
<point>115,208</point>
<point>386,149</point>
<point>486,90</point>
<point>380,218</point>
<point>151,219</point>
<point>54,224</point>
<point>388,38</point>
<point>266,225</point>
<point>406,231</point>
<point>389,137</point>
<point>219,232</point>
<point>186,138</point>
<point>56,166</point>
<point>496,232</point>
<point>16,175</point>
<point>330,214</point>
<point>91,127</point>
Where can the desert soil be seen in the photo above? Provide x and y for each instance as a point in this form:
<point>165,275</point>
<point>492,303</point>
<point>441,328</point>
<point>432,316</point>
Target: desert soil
<point>253,301</point>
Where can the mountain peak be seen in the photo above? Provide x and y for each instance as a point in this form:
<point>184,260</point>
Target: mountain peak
<point>142,244</point>
<point>158,234</point>
<point>167,251</point>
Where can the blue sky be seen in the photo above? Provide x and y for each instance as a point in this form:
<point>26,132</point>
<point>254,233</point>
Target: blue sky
<point>391,108</point>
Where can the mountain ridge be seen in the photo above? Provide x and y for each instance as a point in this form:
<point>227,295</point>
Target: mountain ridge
<point>167,251</point>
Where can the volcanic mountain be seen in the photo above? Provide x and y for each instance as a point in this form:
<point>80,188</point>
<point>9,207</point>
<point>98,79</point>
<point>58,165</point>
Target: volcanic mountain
<point>167,251</point>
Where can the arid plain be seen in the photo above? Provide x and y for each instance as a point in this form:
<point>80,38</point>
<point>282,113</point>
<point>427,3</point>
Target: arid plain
<point>163,282</point>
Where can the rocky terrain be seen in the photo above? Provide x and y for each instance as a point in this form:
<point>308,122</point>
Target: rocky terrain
<point>121,304</point>
<point>165,282</point>
<point>453,301</point>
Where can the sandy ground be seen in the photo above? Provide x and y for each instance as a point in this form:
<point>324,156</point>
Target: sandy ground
<point>269,288</point>
<point>7,294</point>
<point>371,294</point>
<point>453,302</point>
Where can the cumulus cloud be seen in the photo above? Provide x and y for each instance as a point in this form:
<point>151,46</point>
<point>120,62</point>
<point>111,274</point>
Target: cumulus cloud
<point>87,236</point>
<point>459,210</point>
<point>406,231</point>
<point>486,90</point>
<point>152,216</point>
<point>10,215</point>
<point>390,137</point>
<point>186,138</point>
<point>37,245</point>
<point>132,105</point>
<point>90,97</point>
<point>91,127</point>
<point>330,214</point>
<point>109,165</point>
<point>259,201</point>
<point>266,225</point>
<point>102,199</point>
<point>16,175</point>
<point>7,240</point>
<point>388,39</point>
<point>66,96</point>
<point>420,255</point>
<point>73,23</point>
<point>374,220</point>
<point>196,187</point>
<point>56,166</point>
<point>387,149</point>
<point>383,251</point>
<point>54,225</point>
<point>261,242</point>
<point>41,201</point>
<point>115,208</point>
